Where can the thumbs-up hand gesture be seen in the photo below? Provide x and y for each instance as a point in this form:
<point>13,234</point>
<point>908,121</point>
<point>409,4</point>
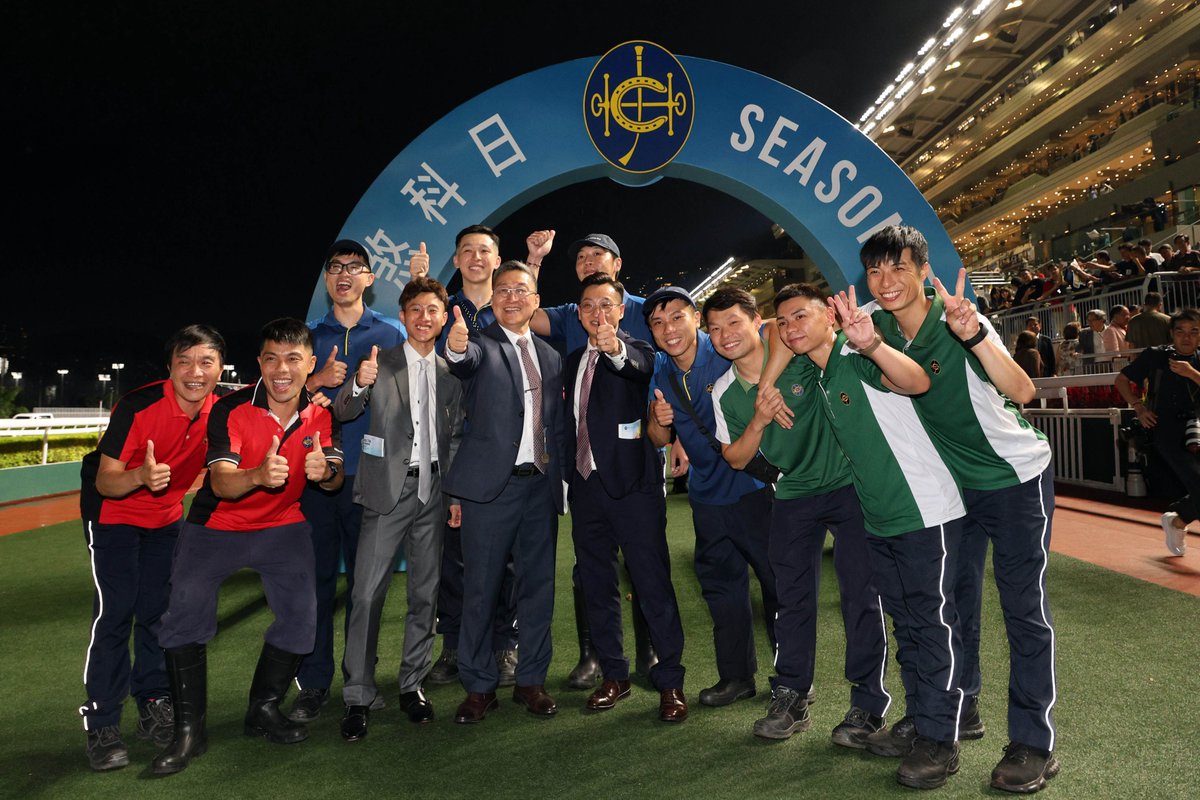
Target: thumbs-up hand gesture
<point>332,374</point>
<point>418,263</point>
<point>368,370</point>
<point>316,468</point>
<point>664,414</point>
<point>606,339</point>
<point>153,475</point>
<point>456,340</point>
<point>273,471</point>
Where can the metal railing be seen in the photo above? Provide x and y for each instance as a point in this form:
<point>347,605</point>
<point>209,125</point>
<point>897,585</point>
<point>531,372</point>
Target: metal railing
<point>1178,291</point>
<point>33,427</point>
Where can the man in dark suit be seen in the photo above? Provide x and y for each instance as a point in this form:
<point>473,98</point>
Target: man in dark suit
<point>508,474</point>
<point>617,498</point>
<point>1045,347</point>
<point>414,434</point>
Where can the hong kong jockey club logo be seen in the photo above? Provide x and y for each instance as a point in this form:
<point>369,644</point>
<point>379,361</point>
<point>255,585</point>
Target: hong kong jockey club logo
<point>638,107</point>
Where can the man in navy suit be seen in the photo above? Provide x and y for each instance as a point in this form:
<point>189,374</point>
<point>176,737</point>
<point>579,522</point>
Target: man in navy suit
<point>617,499</point>
<point>508,474</point>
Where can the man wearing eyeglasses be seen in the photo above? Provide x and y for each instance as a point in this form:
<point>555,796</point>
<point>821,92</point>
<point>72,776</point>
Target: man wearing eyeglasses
<point>343,338</point>
<point>508,474</point>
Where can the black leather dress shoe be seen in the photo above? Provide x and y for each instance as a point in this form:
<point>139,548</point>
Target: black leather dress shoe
<point>475,707</point>
<point>535,700</point>
<point>354,724</point>
<point>416,705</point>
<point>727,691</point>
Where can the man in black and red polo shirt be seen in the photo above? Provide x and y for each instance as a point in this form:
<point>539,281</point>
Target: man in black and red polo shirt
<point>265,443</point>
<point>130,505</point>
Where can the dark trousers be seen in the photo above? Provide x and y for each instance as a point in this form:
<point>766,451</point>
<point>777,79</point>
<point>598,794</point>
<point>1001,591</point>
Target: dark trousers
<point>336,521</point>
<point>797,540</point>
<point>1017,520</point>
<point>729,540</point>
<point>915,574</point>
<point>636,524</point>
<point>1168,441</point>
<point>205,557</point>
<point>521,525</point>
<point>450,597</point>
<point>131,571</point>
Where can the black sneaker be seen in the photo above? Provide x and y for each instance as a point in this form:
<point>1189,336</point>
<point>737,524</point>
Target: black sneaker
<point>308,705</point>
<point>855,728</point>
<point>506,667</point>
<point>1024,769</point>
<point>156,721</point>
<point>445,669</point>
<point>105,750</point>
<point>970,725</point>
<point>928,764</point>
<point>786,714</point>
<point>893,742</point>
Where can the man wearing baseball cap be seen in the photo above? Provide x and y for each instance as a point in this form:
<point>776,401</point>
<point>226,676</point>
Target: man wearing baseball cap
<point>341,339</point>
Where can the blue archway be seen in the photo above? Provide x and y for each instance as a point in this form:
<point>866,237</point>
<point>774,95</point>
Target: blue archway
<point>774,148</point>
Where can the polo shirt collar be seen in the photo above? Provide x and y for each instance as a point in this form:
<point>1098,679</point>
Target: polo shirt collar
<point>169,394</point>
<point>364,321</point>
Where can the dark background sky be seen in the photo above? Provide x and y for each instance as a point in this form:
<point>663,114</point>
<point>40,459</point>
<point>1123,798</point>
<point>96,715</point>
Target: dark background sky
<point>190,161</point>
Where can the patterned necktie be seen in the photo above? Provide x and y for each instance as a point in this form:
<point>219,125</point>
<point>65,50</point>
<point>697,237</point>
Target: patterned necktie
<point>583,450</point>
<point>425,415</point>
<point>535,387</point>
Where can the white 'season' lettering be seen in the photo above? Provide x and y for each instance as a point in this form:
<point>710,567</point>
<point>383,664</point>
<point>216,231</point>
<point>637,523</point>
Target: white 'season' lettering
<point>855,211</point>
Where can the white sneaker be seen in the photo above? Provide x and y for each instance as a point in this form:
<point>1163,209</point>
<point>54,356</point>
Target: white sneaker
<point>1176,537</point>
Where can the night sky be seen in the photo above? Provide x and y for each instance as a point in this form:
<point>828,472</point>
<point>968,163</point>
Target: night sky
<point>190,161</point>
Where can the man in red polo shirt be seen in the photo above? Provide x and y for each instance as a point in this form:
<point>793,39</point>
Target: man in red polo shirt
<point>264,443</point>
<point>130,504</point>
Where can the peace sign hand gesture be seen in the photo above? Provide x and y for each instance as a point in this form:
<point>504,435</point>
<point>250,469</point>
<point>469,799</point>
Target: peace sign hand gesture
<point>856,323</point>
<point>960,312</point>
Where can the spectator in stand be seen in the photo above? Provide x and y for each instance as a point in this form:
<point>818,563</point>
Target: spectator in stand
<point>1185,259</point>
<point>1026,354</point>
<point>1131,264</point>
<point>1101,267</point>
<point>1149,327</point>
<point>1148,248</point>
<point>1091,341</point>
<point>1166,252</point>
<point>1066,352</point>
<point>1075,277</point>
<point>1045,347</point>
<point>1114,334</point>
<point>1028,289</point>
<point>1052,282</point>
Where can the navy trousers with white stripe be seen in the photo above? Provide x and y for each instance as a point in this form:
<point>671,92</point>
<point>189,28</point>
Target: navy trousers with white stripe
<point>796,545</point>
<point>131,571</point>
<point>915,573</point>
<point>1017,520</point>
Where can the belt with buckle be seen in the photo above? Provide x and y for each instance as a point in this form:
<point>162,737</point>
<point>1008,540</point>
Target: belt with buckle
<point>415,471</point>
<point>525,470</point>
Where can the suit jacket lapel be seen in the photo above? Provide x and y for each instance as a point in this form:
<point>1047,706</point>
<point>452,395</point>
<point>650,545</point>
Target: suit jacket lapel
<point>401,377</point>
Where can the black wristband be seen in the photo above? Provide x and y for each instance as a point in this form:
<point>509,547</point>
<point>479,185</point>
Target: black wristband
<point>979,336</point>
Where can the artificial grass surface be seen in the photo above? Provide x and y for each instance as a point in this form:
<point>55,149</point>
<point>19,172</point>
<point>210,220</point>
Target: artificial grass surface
<point>1127,678</point>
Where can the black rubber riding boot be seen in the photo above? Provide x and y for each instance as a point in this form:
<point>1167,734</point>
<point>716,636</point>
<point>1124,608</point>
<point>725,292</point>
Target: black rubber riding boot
<point>646,657</point>
<point>187,670</point>
<point>275,671</point>
<point>587,672</point>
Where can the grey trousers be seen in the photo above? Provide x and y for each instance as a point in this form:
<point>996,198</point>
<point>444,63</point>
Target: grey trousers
<point>418,527</point>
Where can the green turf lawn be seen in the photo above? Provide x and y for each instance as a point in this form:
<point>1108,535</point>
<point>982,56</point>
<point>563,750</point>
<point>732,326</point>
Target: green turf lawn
<point>1127,666</point>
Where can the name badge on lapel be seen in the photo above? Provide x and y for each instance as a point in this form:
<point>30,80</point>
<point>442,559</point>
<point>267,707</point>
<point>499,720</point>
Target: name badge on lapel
<point>372,445</point>
<point>629,430</point>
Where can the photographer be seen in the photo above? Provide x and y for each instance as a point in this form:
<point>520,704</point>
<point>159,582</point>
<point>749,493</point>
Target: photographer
<point>1171,378</point>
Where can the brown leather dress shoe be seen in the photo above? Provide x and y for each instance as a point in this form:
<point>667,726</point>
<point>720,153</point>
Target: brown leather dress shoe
<point>535,700</point>
<point>671,706</point>
<point>608,694</point>
<point>475,707</point>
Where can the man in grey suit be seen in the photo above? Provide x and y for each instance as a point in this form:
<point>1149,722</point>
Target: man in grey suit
<point>416,424</point>
<point>509,477</point>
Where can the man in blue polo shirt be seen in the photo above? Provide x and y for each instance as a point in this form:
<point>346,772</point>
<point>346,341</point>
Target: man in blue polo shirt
<point>730,510</point>
<point>343,338</point>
